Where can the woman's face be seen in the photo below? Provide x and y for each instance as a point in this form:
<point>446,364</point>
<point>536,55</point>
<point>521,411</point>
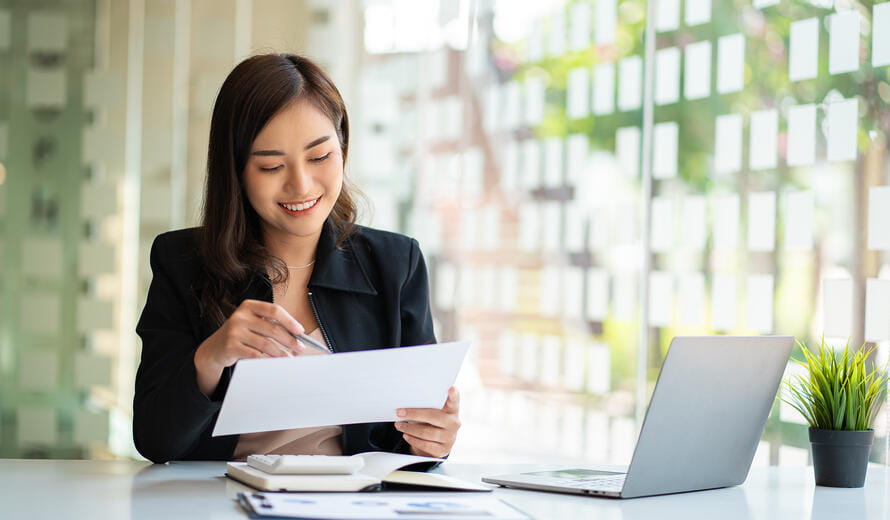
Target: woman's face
<point>294,172</point>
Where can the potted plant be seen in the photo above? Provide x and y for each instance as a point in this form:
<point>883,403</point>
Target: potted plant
<point>839,398</point>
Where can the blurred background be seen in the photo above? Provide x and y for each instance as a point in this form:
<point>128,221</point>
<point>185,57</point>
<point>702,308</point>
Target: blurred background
<point>582,192</point>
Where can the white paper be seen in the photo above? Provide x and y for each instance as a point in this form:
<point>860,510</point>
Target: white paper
<point>667,75</point>
<point>880,47</point>
<point>760,303</point>
<point>843,39</point>
<point>698,12</point>
<point>879,217</point>
<point>764,139</point>
<point>837,308</point>
<point>667,15</point>
<point>877,310</point>
<point>691,296</point>
<point>799,209</point>
<point>694,222</point>
<point>597,294</point>
<point>730,63</point>
<point>723,303</point>
<point>697,75</point>
<point>762,221</point>
<point>606,20</point>
<point>306,391</point>
<point>531,164</point>
<point>627,150</point>
<point>604,88</point>
<point>579,26</point>
<point>577,93</point>
<point>801,135</point>
<point>576,161</point>
<point>726,222</point>
<point>728,143</point>
<point>843,127</point>
<point>662,224</point>
<point>534,101</point>
<point>664,162</point>
<point>553,157</point>
<point>348,506</point>
<point>803,62</point>
<point>630,81</point>
<point>661,296</point>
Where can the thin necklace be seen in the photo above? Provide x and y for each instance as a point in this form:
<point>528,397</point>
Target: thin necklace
<point>300,266</point>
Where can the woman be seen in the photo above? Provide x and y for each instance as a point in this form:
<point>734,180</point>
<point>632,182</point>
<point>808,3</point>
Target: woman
<point>277,254</point>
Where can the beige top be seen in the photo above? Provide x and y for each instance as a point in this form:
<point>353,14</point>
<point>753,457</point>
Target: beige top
<point>324,440</point>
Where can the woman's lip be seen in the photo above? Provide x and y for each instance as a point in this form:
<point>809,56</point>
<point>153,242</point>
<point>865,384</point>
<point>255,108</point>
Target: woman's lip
<point>300,201</point>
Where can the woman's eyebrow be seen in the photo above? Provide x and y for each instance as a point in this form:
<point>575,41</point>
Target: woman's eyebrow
<point>317,142</point>
<point>314,143</point>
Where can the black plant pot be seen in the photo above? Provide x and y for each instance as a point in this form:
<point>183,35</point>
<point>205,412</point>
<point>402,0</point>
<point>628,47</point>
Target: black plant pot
<point>840,457</point>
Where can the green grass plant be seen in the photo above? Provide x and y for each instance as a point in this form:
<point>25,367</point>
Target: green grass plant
<point>840,391</point>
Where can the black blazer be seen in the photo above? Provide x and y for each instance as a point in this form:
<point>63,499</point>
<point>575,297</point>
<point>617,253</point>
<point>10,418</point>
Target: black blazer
<point>370,293</point>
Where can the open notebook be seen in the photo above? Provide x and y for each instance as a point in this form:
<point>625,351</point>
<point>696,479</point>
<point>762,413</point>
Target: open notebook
<point>379,471</point>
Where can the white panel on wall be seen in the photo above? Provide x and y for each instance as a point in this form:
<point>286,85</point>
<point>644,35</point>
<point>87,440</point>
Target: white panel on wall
<point>630,81</point>
<point>606,21</point>
<point>156,205</point>
<point>36,426</point>
<point>46,88</point>
<point>472,181</point>
<point>698,12</point>
<point>573,231</point>
<point>42,257</point>
<point>98,200</point>
<point>512,105</point>
<point>694,220</point>
<point>728,143</point>
<point>556,40</point>
<point>551,359</point>
<point>603,101</point>
<point>697,70</point>
<point>91,370</point>
<point>801,135</point>
<point>764,138</point>
<point>759,296</point>
<point>723,303</point>
<point>577,93</point>
<point>843,39</point>
<point>803,62</point>
<point>490,228</point>
<point>508,362</point>
<point>469,229</point>
<point>573,292</point>
<point>762,221</point>
<point>730,63</point>
<point>535,91</point>
<point>726,222</point>
<point>624,296</point>
<point>837,308</point>
<point>41,312</point>
<point>553,162</point>
<point>662,224</point>
<point>102,88</point>
<point>91,427</point>
<point>877,310</point>
<point>574,363</point>
<point>576,158</point>
<point>551,291</point>
<point>509,178</point>
<point>598,368</point>
<point>579,26</point>
<point>880,47</point>
<point>799,216</point>
<point>760,4</point>
<point>598,229</point>
<point>508,282</point>
<point>47,32</point>
<point>878,217</point>
<point>691,298</point>
<point>627,150</point>
<point>661,302</point>
<point>664,162</point>
<point>530,177</point>
<point>38,370</point>
<point>843,128</point>
<point>491,110</point>
<point>551,225</point>
<point>528,357</point>
<point>667,15</point>
<point>94,314</point>
<point>597,294</point>
<point>468,287</point>
<point>667,76</point>
<point>529,228</point>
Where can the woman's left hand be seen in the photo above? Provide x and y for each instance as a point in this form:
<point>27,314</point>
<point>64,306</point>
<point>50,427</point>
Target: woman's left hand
<point>429,431</point>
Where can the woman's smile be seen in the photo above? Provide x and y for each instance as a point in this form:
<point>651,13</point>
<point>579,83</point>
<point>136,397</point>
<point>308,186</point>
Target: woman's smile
<point>299,208</point>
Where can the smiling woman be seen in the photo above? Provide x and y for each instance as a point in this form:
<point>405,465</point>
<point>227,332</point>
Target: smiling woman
<point>278,255</point>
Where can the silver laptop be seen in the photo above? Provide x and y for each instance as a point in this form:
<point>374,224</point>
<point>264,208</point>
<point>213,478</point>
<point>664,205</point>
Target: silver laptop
<point>706,416</point>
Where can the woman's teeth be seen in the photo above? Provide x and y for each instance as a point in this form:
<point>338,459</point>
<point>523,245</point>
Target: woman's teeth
<point>299,207</point>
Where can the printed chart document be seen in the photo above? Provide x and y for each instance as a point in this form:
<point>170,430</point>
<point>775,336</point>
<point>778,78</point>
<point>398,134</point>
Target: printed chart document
<point>349,505</point>
<point>348,388</point>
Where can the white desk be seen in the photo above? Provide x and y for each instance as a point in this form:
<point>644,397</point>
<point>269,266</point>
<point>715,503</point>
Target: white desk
<point>195,490</point>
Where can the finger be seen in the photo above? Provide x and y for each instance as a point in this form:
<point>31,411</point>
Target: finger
<point>265,344</point>
<point>245,352</point>
<point>269,329</point>
<point>433,449</point>
<point>276,313</point>
<point>432,416</point>
<point>452,404</point>
<point>424,431</point>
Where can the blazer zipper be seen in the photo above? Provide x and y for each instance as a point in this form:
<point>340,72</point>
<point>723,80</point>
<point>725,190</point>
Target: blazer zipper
<point>320,326</point>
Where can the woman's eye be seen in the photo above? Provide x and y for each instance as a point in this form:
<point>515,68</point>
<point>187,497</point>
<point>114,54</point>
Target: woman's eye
<point>322,158</point>
<point>274,168</point>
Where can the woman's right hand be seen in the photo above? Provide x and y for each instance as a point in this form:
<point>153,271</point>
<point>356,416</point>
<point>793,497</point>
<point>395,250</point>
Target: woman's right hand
<point>256,329</point>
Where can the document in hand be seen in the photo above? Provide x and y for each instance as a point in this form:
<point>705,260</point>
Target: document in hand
<point>347,506</point>
<point>352,387</point>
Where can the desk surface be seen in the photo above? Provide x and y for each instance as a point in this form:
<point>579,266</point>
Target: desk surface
<point>195,490</point>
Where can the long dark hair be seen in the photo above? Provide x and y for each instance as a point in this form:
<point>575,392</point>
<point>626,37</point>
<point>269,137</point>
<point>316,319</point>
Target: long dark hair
<point>230,239</point>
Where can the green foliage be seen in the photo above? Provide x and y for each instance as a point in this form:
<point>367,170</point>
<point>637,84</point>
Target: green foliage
<point>841,391</point>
